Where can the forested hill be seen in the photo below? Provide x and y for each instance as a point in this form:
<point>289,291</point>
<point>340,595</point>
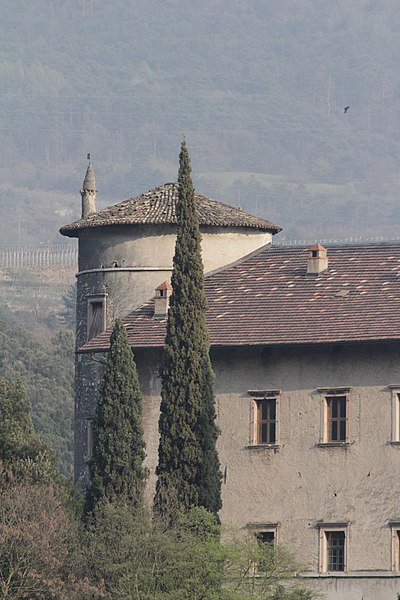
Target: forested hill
<point>258,88</point>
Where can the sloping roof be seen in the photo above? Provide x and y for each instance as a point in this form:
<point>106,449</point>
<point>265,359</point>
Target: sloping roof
<point>268,299</point>
<point>159,206</point>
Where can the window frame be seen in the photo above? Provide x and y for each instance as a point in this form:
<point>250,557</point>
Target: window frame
<point>324,530</point>
<point>395,546</point>
<point>258,396</point>
<point>395,416</point>
<point>89,438</point>
<point>96,299</point>
<point>258,528</point>
<point>328,394</point>
<point>336,404</point>
<point>269,422</point>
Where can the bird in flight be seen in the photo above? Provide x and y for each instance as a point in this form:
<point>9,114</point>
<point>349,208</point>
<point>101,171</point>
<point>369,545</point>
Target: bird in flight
<point>346,108</point>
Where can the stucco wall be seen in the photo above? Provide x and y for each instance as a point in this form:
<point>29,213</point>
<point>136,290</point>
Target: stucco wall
<point>124,291</point>
<point>301,483</point>
<point>129,262</point>
<point>367,586</point>
<point>154,245</point>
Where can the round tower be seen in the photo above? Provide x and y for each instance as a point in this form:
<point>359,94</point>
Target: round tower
<point>126,250</point>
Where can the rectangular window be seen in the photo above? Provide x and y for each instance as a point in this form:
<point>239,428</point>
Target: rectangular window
<point>397,555</point>
<point>336,418</point>
<point>333,548</point>
<point>266,542</point>
<point>89,439</point>
<point>266,536</point>
<point>266,421</point>
<point>335,542</point>
<point>265,533</point>
<point>395,433</point>
<point>264,418</point>
<point>395,530</point>
<point>396,418</point>
<point>96,318</point>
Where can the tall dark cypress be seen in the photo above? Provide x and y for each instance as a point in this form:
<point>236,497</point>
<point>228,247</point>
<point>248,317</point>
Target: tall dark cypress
<point>117,471</point>
<point>188,469</point>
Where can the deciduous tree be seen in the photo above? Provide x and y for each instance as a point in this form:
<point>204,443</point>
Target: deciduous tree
<point>40,552</point>
<point>144,558</point>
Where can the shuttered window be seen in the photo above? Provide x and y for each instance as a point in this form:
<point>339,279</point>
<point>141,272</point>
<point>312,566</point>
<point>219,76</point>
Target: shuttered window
<point>266,421</point>
<point>95,318</point>
<point>337,418</point>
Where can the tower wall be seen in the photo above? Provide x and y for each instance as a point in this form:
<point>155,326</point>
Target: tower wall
<point>152,245</point>
<point>122,266</point>
<point>125,263</point>
<point>88,203</point>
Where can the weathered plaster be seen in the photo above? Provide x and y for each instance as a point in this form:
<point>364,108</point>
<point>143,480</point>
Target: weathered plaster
<point>154,245</point>
<point>361,586</point>
<point>300,483</point>
<point>108,258</point>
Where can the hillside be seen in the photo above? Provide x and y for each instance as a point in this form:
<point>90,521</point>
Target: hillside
<point>257,88</point>
<point>46,369</point>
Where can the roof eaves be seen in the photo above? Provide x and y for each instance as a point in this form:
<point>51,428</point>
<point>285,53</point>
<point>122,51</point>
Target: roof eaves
<point>265,344</point>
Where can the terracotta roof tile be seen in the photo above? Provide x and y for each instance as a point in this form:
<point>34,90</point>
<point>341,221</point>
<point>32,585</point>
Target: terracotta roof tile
<point>159,206</point>
<point>165,285</point>
<point>317,246</point>
<point>268,299</point>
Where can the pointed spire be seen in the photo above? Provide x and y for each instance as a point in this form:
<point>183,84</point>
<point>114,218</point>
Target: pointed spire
<point>89,183</point>
<point>88,191</point>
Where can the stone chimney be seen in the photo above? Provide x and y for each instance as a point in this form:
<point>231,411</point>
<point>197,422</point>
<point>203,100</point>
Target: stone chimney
<point>161,300</point>
<point>88,192</point>
<point>317,259</point>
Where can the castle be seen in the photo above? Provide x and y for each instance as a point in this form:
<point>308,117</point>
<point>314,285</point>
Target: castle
<point>305,348</point>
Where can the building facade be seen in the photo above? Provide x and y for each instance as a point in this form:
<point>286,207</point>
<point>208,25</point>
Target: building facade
<point>305,348</point>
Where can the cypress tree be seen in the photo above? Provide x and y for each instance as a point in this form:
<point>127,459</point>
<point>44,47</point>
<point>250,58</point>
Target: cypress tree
<point>188,469</point>
<point>22,452</point>
<point>117,471</point>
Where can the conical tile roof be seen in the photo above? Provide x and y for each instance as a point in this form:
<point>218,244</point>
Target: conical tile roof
<point>158,206</point>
